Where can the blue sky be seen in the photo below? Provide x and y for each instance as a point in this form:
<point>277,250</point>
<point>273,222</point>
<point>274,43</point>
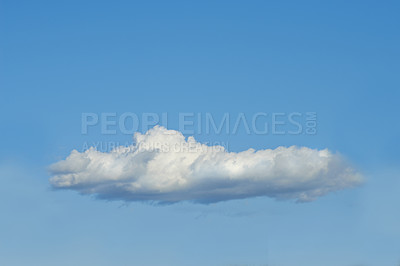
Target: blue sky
<point>61,59</point>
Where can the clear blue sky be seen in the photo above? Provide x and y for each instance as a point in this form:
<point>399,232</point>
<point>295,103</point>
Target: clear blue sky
<point>59,59</point>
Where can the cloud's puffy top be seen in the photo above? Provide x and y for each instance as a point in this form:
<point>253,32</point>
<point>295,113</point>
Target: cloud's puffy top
<point>163,166</point>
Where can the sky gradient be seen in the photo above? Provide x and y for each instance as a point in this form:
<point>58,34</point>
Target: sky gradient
<point>61,59</point>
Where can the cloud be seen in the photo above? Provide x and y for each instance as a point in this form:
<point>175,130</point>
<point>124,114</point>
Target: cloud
<point>163,166</point>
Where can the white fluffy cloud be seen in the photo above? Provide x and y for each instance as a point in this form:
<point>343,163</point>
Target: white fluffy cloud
<point>163,166</point>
